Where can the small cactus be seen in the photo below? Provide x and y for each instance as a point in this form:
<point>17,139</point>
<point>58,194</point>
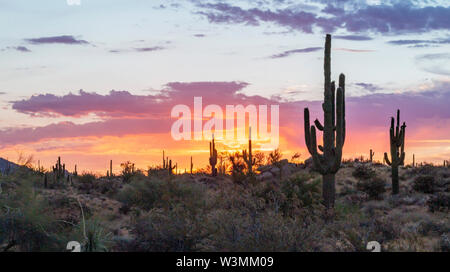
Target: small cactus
<point>213,157</point>
<point>248,158</point>
<point>110,169</point>
<point>371,155</point>
<point>59,170</point>
<point>397,140</point>
<point>164,161</point>
<point>170,168</point>
<point>192,165</point>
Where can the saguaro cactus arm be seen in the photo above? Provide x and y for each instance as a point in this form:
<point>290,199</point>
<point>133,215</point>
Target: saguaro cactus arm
<point>386,159</point>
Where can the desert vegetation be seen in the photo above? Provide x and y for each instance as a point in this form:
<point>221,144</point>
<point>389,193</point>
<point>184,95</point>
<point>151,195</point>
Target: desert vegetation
<point>256,211</point>
<point>242,201</point>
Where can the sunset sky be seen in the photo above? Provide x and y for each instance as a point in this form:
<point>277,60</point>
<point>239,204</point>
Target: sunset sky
<point>97,81</point>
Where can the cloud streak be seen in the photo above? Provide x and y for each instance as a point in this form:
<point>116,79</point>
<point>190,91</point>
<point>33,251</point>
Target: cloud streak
<point>295,51</point>
<point>369,86</point>
<point>65,39</point>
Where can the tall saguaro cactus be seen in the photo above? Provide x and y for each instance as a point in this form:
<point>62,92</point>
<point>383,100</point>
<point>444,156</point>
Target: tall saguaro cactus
<point>248,157</point>
<point>213,157</point>
<point>192,165</point>
<point>329,162</point>
<point>397,140</point>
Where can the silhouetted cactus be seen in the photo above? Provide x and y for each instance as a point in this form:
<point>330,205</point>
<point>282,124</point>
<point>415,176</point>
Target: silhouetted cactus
<point>414,161</point>
<point>164,161</point>
<point>248,157</point>
<point>75,173</point>
<point>397,142</point>
<point>110,169</point>
<point>170,168</point>
<point>371,155</point>
<point>192,165</point>
<point>333,129</point>
<point>213,157</point>
<point>59,170</point>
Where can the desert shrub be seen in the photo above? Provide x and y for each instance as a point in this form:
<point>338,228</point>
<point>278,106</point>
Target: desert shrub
<point>128,171</point>
<point>424,184</point>
<point>363,171</point>
<point>237,167</point>
<point>429,226</point>
<point>141,193</point>
<point>426,169</point>
<point>147,193</point>
<point>87,184</point>
<point>26,223</point>
<point>444,243</point>
<point>247,230</point>
<point>175,229</point>
<point>86,177</point>
<point>303,188</point>
<point>439,202</point>
<point>157,172</point>
<point>374,187</point>
<point>106,187</point>
<point>384,229</point>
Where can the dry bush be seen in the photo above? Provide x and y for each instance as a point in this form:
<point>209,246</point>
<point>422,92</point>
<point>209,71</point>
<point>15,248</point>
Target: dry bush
<point>424,184</point>
<point>363,171</point>
<point>374,187</point>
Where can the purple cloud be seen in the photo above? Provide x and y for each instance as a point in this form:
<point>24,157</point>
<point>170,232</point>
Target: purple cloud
<point>17,48</point>
<point>139,49</point>
<point>65,39</point>
<point>295,51</point>
<point>397,18</point>
<point>22,49</point>
<point>149,49</point>
<point>368,86</point>
<point>120,104</point>
<point>420,42</point>
<point>353,37</point>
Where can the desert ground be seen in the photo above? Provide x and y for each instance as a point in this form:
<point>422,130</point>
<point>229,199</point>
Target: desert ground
<point>156,210</point>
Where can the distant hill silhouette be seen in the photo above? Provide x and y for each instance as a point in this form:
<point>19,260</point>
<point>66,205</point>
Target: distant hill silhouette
<point>6,166</point>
